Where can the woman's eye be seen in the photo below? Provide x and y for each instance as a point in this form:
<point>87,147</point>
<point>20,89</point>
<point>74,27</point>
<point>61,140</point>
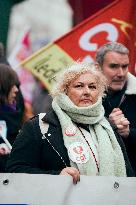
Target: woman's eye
<point>92,87</point>
<point>78,86</point>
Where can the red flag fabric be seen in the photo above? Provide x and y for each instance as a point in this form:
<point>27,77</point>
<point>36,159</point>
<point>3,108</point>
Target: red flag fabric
<point>116,22</point>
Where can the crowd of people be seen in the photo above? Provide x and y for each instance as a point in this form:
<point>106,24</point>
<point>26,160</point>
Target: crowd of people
<point>89,128</point>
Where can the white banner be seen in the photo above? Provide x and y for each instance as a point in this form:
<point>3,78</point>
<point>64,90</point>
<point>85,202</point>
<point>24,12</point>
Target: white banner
<point>59,190</point>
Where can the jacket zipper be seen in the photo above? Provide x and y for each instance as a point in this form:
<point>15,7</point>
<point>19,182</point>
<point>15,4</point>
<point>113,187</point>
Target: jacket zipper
<point>44,137</point>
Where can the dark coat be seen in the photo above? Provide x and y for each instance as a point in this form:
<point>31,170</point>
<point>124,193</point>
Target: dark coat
<point>128,107</point>
<point>13,121</point>
<point>13,118</point>
<point>38,154</point>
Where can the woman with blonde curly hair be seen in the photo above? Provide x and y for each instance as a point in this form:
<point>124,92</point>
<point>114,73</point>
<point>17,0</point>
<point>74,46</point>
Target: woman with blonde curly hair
<point>74,138</point>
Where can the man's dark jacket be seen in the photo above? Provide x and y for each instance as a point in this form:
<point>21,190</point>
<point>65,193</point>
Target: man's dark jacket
<point>128,107</point>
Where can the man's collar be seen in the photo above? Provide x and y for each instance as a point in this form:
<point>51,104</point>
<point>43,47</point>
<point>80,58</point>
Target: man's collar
<point>131,85</point>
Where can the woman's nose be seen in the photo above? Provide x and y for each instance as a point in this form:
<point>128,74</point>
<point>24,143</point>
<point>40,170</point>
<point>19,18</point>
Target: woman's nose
<point>86,90</point>
<point>15,88</point>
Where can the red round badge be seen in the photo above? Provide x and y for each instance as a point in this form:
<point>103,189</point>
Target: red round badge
<point>70,131</point>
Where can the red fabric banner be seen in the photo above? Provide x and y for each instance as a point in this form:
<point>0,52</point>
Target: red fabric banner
<point>116,22</point>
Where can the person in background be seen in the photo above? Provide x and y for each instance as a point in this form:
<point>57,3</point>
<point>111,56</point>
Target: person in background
<point>41,97</point>
<point>74,138</point>
<point>120,100</point>
<point>19,97</point>
<point>9,113</point>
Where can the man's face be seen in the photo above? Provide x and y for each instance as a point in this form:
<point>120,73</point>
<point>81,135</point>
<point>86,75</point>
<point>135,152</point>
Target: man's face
<point>115,68</point>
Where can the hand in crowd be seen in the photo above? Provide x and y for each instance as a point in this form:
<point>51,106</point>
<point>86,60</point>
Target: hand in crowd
<point>72,172</point>
<point>118,120</point>
<point>4,149</point>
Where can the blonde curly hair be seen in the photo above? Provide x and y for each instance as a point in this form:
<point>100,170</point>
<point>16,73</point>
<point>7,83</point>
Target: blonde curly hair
<point>73,72</point>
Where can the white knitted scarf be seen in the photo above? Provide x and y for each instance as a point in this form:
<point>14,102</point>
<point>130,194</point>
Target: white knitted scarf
<point>111,160</point>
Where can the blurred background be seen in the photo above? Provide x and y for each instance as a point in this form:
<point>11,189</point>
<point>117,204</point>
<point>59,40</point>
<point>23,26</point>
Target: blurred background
<point>28,25</point>
<point>46,19</point>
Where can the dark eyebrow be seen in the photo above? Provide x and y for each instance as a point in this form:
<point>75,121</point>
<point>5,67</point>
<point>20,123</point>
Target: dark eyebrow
<point>116,65</point>
<point>89,83</point>
<point>94,83</point>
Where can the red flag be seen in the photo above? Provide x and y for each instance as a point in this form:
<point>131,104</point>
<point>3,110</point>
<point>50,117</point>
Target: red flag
<point>116,22</point>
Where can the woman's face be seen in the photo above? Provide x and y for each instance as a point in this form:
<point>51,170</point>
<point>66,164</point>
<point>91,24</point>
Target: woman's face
<point>12,94</point>
<point>83,91</point>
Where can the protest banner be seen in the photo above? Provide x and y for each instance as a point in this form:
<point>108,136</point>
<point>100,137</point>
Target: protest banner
<point>42,189</point>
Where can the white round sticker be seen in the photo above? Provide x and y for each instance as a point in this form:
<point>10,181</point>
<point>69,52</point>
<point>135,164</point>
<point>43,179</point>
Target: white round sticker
<point>78,153</point>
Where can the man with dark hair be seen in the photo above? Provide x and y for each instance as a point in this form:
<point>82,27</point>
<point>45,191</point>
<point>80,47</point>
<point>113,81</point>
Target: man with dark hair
<point>120,101</point>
